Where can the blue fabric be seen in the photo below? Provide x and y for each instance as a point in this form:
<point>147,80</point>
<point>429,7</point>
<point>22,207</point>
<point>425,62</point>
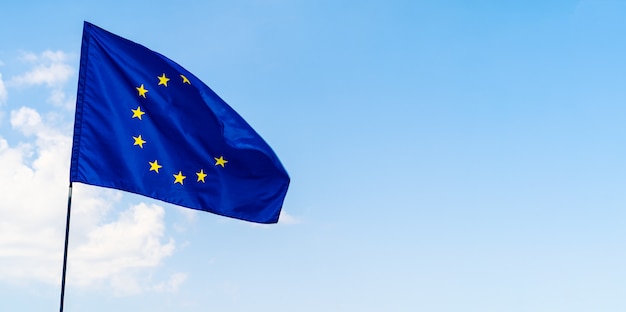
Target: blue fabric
<point>145,142</point>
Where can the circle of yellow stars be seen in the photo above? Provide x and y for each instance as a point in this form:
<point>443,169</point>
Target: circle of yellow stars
<point>139,140</point>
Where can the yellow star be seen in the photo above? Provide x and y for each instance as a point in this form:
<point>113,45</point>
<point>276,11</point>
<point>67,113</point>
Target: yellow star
<point>137,113</point>
<point>178,178</point>
<point>163,80</point>
<point>142,91</point>
<point>220,161</point>
<point>154,166</point>
<point>185,80</point>
<point>201,175</point>
<point>139,141</point>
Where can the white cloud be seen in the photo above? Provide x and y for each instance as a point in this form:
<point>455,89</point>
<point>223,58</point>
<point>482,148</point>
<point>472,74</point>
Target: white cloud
<point>49,72</point>
<point>27,121</point>
<point>110,251</point>
<point>33,195</point>
<point>115,249</point>
<point>3,91</point>
<point>59,98</point>
<point>287,219</point>
<point>50,69</point>
<point>173,284</point>
<point>189,216</point>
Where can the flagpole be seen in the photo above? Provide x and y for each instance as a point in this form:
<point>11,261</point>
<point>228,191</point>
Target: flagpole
<point>67,236</point>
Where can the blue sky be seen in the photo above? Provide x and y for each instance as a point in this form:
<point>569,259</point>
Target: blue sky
<point>444,156</point>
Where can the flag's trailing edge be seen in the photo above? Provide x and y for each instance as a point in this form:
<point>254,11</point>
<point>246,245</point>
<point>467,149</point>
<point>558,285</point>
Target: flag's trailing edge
<point>146,125</point>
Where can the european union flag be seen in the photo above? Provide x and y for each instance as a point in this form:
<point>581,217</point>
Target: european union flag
<point>146,125</point>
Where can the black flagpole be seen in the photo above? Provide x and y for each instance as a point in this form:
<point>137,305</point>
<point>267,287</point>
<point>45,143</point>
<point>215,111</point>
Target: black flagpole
<point>67,237</point>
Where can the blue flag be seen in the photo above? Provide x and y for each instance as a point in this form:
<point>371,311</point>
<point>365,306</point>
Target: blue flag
<point>146,125</point>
